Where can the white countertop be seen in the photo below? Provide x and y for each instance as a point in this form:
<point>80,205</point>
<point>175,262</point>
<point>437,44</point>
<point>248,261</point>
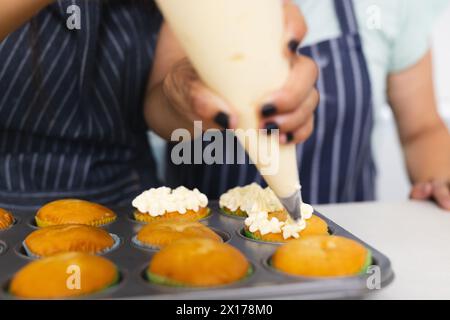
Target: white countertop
<point>414,235</point>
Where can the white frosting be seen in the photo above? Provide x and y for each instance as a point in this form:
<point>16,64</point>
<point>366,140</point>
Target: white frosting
<point>259,221</point>
<point>250,198</point>
<point>157,202</point>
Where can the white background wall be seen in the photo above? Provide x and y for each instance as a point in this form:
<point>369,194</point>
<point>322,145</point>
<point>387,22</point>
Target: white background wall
<point>393,183</point>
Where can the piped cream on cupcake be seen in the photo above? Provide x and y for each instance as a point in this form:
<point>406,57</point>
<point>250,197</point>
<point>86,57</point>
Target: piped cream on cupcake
<point>279,227</point>
<point>240,201</point>
<point>168,204</point>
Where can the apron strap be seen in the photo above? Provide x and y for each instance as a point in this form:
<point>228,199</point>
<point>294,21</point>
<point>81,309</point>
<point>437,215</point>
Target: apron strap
<point>345,12</point>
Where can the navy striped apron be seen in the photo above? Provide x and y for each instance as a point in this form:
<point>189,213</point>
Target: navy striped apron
<point>336,163</point>
<point>71,107</point>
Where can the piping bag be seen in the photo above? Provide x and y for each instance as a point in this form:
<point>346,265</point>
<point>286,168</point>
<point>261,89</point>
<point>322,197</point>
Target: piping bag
<point>236,48</point>
<point>293,205</point>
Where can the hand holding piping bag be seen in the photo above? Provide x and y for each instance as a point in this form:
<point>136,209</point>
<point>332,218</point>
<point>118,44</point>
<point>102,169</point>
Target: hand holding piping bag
<point>290,109</point>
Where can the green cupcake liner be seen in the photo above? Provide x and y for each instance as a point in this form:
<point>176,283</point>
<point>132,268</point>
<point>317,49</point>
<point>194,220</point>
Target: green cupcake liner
<point>233,213</point>
<point>252,236</point>
<point>367,263</point>
<point>161,280</point>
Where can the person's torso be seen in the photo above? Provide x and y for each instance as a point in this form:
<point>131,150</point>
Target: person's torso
<point>71,107</point>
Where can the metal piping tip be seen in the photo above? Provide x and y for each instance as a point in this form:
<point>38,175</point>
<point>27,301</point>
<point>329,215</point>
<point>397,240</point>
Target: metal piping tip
<point>293,205</point>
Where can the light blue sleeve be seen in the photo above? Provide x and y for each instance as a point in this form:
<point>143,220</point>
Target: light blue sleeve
<point>413,38</point>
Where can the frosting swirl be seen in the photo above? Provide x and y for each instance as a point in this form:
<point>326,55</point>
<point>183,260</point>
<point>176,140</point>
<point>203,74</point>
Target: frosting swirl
<point>260,221</point>
<point>250,198</point>
<point>158,201</point>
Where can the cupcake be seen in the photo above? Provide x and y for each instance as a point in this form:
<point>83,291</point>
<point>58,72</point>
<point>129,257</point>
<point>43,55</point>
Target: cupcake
<point>198,263</point>
<point>162,233</point>
<point>6,219</point>
<point>322,256</point>
<point>64,275</point>
<point>72,211</point>
<point>64,238</point>
<point>240,201</point>
<point>167,204</point>
<point>279,227</point>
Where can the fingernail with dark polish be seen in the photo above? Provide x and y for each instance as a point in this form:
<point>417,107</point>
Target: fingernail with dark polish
<point>293,45</point>
<point>268,110</point>
<point>271,126</point>
<point>289,137</point>
<point>222,119</point>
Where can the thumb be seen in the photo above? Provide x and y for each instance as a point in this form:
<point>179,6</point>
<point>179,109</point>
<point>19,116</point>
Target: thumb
<point>295,27</point>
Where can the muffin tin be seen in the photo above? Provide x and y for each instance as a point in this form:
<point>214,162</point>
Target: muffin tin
<point>264,283</point>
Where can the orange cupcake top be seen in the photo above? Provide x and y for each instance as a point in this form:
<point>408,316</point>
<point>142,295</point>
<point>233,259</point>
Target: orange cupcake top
<point>199,262</point>
<point>73,211</point>
<point>163,233</point>
<point>62,276</point>
<point>6,219</point>
<point>321,256</point>
<point>64,238</point>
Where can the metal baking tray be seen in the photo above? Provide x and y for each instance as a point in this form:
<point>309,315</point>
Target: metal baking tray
<point>264,283</point>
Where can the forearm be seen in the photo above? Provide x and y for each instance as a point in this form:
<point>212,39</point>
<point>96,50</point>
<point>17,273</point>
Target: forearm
<point>424,136</point>
<point>161,113</point>
<point>14,13</point>
<point>428,154</point>
<point>161,117</point>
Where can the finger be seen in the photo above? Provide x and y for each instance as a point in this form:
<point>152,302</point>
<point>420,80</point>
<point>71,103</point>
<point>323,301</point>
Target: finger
<point>211,108</point>
<point>421,191</point>
<point>295,27</point>
<point>441,193</point>
<point>194,101</point>
<point>290,122</point>
<point>301,81</point>
<point>300,135</point>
